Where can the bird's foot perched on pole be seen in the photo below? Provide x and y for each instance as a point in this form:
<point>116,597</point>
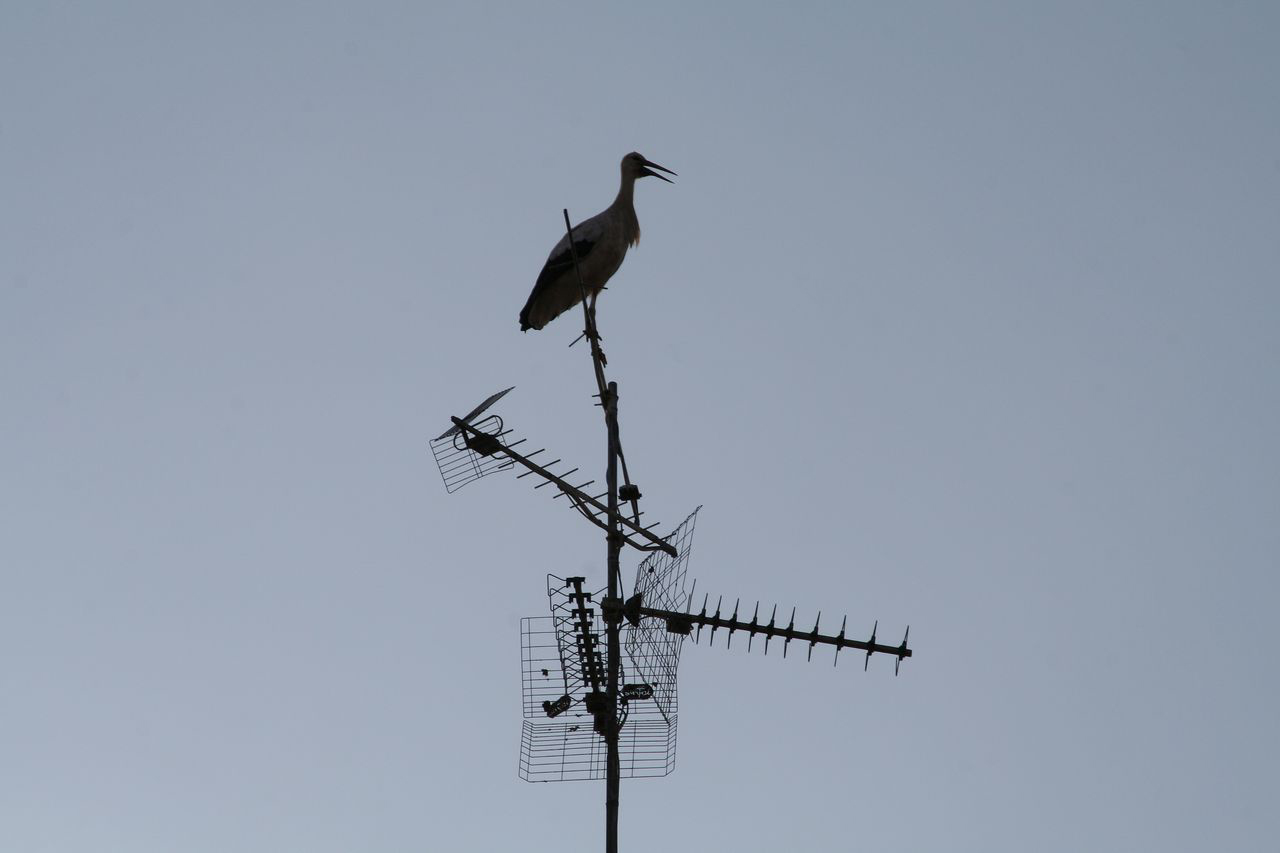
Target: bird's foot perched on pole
<point>604,362</point>
<point>596,339</point>
<point>593,332</point>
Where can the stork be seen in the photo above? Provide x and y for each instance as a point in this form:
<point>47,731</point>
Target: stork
<point>600,242</point>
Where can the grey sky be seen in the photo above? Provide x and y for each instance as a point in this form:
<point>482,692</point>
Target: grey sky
<point>958,315</point>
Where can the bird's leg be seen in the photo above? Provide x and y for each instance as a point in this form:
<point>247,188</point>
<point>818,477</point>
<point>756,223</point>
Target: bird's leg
<point>592,332</point>
<point>591,310</point>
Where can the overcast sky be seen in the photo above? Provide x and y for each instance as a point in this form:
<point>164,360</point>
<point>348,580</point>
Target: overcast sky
<point>962,316</point>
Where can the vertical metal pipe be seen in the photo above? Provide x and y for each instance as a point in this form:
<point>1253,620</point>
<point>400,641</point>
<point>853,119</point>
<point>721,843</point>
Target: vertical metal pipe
<point>613,626</point>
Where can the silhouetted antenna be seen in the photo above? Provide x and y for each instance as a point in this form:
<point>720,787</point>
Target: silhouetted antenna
<point>466,452</point>
<point>464,457</point>
<point>684,623</point>
<point>652,649</point>
<point>565,697</point>
<point>599,674</point>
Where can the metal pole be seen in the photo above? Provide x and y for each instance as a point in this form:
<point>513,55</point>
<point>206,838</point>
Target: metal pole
<point>613,626</point>
<point>615,539</point>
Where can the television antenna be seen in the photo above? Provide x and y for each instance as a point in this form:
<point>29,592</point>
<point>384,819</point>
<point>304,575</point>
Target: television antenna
<point>587,703</point>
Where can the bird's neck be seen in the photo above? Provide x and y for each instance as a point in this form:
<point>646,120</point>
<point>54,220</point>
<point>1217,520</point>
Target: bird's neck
<point>626,192</point>
<point>625,210</point>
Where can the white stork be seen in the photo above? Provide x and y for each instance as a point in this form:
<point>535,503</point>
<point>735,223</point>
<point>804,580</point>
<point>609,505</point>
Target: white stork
<point>601,243</point>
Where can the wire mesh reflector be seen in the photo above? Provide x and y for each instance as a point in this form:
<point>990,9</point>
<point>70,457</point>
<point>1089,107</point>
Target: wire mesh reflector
<point>654,652</point>
<point>564,659</point>
<point>567,748</point>
<point>459,464</point>
<point>555,751</point>
<point>543,674</point>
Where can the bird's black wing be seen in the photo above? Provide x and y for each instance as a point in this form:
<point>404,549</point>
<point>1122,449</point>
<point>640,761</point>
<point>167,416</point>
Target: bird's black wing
<point>560,262</point>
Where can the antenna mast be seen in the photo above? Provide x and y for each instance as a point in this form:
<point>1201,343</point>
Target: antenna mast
<point>607,722</point>
<point>563,650</point>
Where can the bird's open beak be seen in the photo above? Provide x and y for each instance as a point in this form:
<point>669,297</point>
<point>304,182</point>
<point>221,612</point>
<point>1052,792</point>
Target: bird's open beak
<point>650,166</point>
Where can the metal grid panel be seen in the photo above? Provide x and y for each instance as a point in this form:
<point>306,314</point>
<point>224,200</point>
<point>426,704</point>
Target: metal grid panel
<point>460,464</point>
<point>653,651</point>
<point>566,747</point>
<point>569,750</point>
<point>543,673</point>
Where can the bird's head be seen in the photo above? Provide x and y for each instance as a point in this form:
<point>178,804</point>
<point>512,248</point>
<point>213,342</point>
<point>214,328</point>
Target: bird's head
<point>635,166</point>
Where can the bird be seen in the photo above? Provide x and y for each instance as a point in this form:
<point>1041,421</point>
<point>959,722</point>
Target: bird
<point>600,242</point>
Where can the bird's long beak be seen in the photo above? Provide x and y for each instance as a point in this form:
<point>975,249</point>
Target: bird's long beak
<point>650,166</point>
